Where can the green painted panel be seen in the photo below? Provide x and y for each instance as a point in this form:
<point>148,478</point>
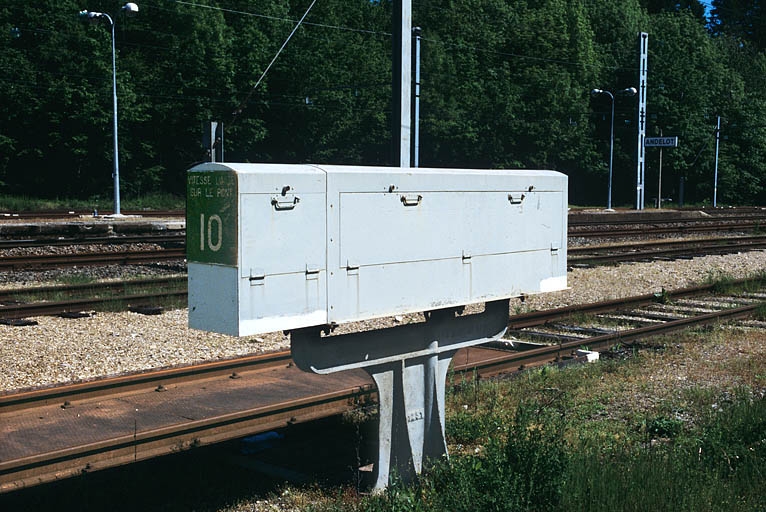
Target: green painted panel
<point>211,217</point>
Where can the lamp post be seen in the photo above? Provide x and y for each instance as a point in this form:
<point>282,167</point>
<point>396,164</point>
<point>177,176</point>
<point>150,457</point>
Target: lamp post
<point>715,177</point>
<point>129,8</point>
<point>630,91</point>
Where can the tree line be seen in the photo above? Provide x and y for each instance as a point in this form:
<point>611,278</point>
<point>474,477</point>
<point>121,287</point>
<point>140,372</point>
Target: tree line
<point>505,84</point>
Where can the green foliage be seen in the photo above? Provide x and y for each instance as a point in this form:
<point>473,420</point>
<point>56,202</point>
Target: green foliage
<point>716,465</point>
<point>725,284</point>
<point>465,427</point>
<point>522,468</point>
<point>152,201</point>
<point>734,441</point>
<point>663,297</point>
<point>504,84</point>
<point>662,426</point>
<point>740,20</point>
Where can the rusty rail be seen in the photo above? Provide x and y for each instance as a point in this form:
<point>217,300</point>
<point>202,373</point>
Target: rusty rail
<point>103,258</point>
<point>166,238</point>
<point>106,386</point>
<point>99,295</point>
<point>633,251</point>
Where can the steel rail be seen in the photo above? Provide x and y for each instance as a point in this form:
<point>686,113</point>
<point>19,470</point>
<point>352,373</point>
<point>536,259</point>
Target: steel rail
<point>667,249</point>
<point>138,257</point>
<point>105,258</point>
<point>96,287</point>
<point>143,445</point>
<point>546,354</point>
<point>745,239</point>
<point>72,214</point>
<point>106,386</point>
<point>578,220</point>
<point>644,230</point>
<point>76,305</point>
<point>177,237</point>
<point>535,318</point>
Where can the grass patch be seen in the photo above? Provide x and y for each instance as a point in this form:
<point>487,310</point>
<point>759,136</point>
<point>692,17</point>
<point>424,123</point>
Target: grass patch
<point>615,435</point>
<point>75,278</point>
<point>528,465</point>
<point>724,284</point>
<point>146,202</point>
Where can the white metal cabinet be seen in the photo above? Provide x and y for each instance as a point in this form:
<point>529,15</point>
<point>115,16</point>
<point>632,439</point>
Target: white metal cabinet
<point>409,240</point>
<point>274,276</point>
<point>311,245</point>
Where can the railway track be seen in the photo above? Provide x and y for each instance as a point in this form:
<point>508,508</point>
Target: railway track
<point>62,431</point>
<point>96,258</point>
<point>719,213</point>
<point>178,239</point>
<point>21,303</point>
<point>668,249</point>
<point>579,225</point>
<point>749,216</point>
<point>76,214</point>
<point>645,230</point>
<point>57,300</point>
<point>593,254</point>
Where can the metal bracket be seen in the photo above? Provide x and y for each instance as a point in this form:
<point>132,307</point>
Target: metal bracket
<point>409,365</point>
<point>517,199</point>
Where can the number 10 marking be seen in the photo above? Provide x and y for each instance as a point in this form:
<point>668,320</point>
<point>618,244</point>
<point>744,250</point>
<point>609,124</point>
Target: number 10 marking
<point>209,239</point>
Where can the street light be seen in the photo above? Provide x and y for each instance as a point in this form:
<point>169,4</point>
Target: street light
<point>129,8</point>
<point>630,91</point>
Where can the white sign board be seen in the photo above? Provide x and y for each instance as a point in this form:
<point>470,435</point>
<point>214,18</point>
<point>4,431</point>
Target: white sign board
<point>661,142</point>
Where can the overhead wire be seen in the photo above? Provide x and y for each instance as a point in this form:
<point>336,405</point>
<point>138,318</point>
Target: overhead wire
<point>278,18</point>
<point>238,110</point>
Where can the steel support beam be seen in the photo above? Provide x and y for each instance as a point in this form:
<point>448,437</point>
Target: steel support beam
<point>409,364</point>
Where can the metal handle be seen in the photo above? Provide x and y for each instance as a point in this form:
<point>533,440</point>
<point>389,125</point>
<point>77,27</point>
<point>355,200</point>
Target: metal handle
<point>411,199</point>
<point>516,199</point>
<point>286,202</point>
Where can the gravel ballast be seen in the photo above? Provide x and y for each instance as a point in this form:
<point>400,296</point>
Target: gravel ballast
<point>59,350</point>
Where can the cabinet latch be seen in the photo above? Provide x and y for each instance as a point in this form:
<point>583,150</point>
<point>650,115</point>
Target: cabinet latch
<point>312,271</point>
<point>411,199</point>
<point>285,202</point>
<point>257,276</point>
